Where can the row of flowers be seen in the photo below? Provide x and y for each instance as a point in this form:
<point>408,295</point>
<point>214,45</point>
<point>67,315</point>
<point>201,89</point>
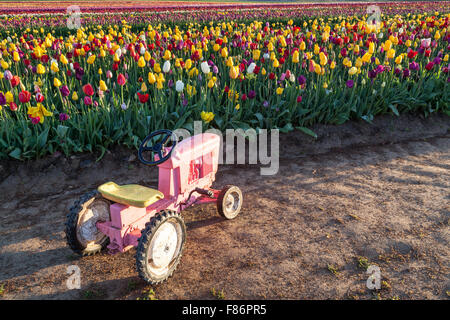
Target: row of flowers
<point>281,74</point>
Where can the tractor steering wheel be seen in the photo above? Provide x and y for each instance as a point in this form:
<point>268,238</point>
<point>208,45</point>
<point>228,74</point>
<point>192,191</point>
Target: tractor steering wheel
<point>157,148</point>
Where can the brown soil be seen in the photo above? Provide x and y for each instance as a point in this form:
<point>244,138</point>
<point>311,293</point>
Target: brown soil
<point>379,192</point>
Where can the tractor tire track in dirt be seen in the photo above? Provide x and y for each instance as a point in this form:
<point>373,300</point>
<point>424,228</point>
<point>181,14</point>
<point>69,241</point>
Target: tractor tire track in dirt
<point>360,194</point>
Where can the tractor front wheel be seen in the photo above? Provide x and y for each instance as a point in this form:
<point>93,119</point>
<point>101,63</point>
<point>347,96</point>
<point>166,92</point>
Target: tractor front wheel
<point>82,234</point>
<point>229,202</point>
<point>160,247</point>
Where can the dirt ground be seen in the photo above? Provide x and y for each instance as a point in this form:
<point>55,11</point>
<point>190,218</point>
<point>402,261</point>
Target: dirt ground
<point>359,195</point>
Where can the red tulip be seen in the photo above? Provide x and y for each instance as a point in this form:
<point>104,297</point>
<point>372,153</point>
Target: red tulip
<point>15,81</point>
<point>412,54</point>
<point>143,98</point>
<point>121,80</point>
<point>13,106</point>
<point>24,96</point>
<point>39,97</point>
<point>88,90</point>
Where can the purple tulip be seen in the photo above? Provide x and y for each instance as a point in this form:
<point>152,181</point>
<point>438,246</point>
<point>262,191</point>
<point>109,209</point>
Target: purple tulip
<point>406,73</point>
<point>414,66</point>
<point>372,74</point>
<point>301,80</point>
<point>64,91</point>
<point>79,73</point>
<point>8,75</point>
<point>63,117</point>
<point>350,84</point>
<point>251,94</point>
<point>2,99</point>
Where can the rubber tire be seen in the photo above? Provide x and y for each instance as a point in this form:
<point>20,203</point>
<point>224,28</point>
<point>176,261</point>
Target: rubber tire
<point>222,196</point>
<point>145,240</point>
<point>72,221</point>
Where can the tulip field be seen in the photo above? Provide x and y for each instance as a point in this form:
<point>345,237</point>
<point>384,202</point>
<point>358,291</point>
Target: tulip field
<point>129,71</point>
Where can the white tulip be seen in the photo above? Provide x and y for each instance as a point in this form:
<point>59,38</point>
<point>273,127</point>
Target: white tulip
<point>142,51</point>
<point>205,67</point>
<point>166,66</point>
<point>266,56</point>
<point>179,86</point>
<point>251,68</point>
<point>119,52</point>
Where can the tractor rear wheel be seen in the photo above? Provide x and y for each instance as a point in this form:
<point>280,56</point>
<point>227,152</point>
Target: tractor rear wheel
<point>160,246</point>
<point>82,234</point>
<point>229,202</point>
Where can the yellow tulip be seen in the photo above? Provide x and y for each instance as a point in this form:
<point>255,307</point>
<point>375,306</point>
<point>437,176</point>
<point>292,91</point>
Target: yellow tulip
<point>103,86</point>
<point>352,71</point>
<point>16,57</point>
<point>303,46</point>
<point>323,59</point>
<point>224,52</point>
<point>56,83</point>
<point>91,59</point>
<point>387,45</point>
<point>390,54</point>
<point>280,91</point>
<point>188,64</point>
<point>167,55</point>
<point>207,116</point>
<point>74,96</point>
<point>9,97</point>
<point>54,67</point>
<point>5,64</point>
<point>63,59</point>
<point>151,78</point>
<point>234,72</point>
<point>296,57</point>
<point>141,62</point>
<point>191,90</point>
<point>366,57</point>
<point>40,69</point>
<point>256,55</point>
<point>317,69</point>
<point>371,48</point>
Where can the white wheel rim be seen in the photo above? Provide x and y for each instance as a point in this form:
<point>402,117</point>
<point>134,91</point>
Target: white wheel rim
<point>87,232</point>
<point>232,202</point>
<point>164,248</point>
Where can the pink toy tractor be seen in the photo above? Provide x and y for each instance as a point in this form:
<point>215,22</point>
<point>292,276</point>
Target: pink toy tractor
<point>126,216</point>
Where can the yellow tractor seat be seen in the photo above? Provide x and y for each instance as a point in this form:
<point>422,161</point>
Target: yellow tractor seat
<point>130,194</point>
